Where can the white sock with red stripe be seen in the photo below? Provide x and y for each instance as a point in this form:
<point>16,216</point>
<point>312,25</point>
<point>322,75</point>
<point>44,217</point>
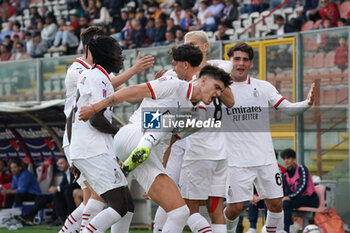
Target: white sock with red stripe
<point>231,225</point>
<point>176,220</point>
<point>218,228</point>
<point>92,208</point>
<point>273,220</point>
<point>198,224</point>
<point>123,225</point>
<point>102,221</point>
<point>159,220</point>
<point>73,221</point>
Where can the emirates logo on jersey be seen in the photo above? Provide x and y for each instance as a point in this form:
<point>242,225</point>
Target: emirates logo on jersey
<point>104,93</point>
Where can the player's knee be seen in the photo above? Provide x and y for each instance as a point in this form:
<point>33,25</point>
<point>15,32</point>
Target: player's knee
<point>276,207</point>
<point>179,215</point>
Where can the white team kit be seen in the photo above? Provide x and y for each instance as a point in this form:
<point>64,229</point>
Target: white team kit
<point>71,81</point>
<point>203,172</point>
<point>98,163</point>
<point>167,92</point>
<point>251,157</point>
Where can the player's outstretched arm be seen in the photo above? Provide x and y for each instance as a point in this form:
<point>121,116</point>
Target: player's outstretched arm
<point>293,109</point>
<point>125,94</point>
<point>140,65</point>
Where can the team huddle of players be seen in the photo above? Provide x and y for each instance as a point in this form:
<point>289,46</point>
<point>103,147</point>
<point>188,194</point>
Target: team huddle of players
<point>179,169</point>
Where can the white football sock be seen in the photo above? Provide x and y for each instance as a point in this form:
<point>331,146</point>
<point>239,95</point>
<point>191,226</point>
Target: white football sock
<point>272,220</point>
<point>218,228</point>
<point>92,208</point>
<point>198,224</point>
<point>123,225</point>
<point>159,220</point>
<point>177,219</point>
<point>231,225</point>
<point>73,221</point>
<point>102,221</point>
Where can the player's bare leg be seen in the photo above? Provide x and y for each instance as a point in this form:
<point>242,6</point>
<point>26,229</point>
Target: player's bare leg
<point>196,221</point>
<point>215,209</point>
<point>274,219</point>
<point>231,214</point>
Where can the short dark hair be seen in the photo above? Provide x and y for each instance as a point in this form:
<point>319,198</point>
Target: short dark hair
<point>17,161</point>
<point>343,20</point>
<point>288,153</point>
<point>188,53</point>
<point>107,53</point>
<point>217,74</point>
<point>91,33</point>
<point>243,47</point>
<point>279,17</point>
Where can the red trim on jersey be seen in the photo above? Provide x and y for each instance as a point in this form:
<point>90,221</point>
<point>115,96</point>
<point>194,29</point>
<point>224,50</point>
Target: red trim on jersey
<point>70,221</point>
<point>202,107</point>
<point>65,227</point>
<point>83,63</point>
<point>189,92</point>
<point>104,71</point>
<point>151,89</point>
<point>204,228</point>
<point>88,229</point>
<point>86,214</point>
<point>177,136</point>
<point>214,204</point>
<point>207,231</point>
<point>278,103</point>
<point>248,80</point>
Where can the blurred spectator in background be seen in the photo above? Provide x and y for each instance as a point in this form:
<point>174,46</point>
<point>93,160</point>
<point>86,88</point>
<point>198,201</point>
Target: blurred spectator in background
<point>102,17</point>
<point>49,30</point>
<point>256,5</point>
<point>14,43</point>
<point>7,32</point>
<point>8,42</point>
<point>5,53</point>
<point>156,11</point>
<point>214,10</point>
<point>187,22</point>
<point>282,27</point>
<point>27,39</point>
<point>5,180</point>
<point>342,22</point>
<point>114,7</point>
<point>83,23</point>
<point>330,11</point>
<point>140,15</point>
<point>179,37</point>
<point>89,9</point>
<point>73,4</point>
<point>169,38</point>
<point>17,31</point>
<point>204,21</point>
<point>166,6</point>
<point>159,33</point>
<point>170,26</point>
<point>37,46</point>
<point>10,9</point>
<point>67,35</point>
<point>120,22</point>
<point>221,33</point>
<point>310,11</point>
<point>24,185</point>
<point>150,31</point>
<point>229,13</point>
<point>20,54</point>
<point>138,34</point>
<point>341,54</point>
<point>34,14</point>
<point>45,13</point>
<point>178,13</point>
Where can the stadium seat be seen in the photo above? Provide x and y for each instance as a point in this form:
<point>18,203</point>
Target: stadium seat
<point>229,31</point>
<point>307,26</point>
<point>344,9</point>
<point>236,24</point>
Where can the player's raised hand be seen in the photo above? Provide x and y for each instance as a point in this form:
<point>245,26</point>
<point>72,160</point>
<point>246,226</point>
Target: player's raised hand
<point>86,112</point>
<point>311,95</point>
<point>142,63</point>
<point>159,74</point>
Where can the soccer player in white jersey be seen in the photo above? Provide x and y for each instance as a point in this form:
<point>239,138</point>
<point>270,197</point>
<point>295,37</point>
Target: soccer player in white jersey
<point>251,157</point>
<point>97,162</point>
<point>151,174</point>
<point>203,173</point>
<point>92,203</point>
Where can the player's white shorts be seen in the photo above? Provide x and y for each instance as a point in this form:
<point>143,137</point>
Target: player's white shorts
<point>125,141</point>
<point>267,180</point>
<point>200,179</point>
<point>173,166</point>
<point>102,172</point>
<point>81,178</point>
